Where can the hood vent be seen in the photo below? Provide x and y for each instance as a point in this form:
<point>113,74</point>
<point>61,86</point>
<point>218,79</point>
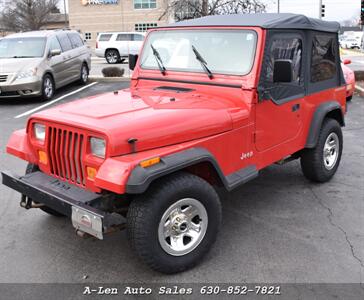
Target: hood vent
<point>174,89</point>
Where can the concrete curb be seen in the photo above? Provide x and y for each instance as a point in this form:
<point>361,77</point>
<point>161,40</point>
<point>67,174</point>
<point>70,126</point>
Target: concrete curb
<point>108,79</point>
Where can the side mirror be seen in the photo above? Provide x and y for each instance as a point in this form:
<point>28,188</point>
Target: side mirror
<point>133,58</point>
<point>346,61</point>
<point>283,70</point>
<point>55,52</point>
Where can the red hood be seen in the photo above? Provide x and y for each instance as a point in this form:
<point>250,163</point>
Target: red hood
<point>154,118</point>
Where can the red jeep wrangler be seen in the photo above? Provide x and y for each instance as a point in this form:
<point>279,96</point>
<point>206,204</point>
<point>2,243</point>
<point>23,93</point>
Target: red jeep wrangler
<point>212,101</point>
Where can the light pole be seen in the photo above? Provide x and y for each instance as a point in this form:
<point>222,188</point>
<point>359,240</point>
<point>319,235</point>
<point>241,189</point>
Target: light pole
<point>320,9</point>
<point>65,13</point>
<point>278,6</point>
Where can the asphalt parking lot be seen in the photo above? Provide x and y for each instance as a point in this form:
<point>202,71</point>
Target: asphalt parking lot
<point>277,228</point>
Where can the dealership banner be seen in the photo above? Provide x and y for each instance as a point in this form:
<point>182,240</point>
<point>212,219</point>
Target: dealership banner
<point>168,291</point>
<point>98,2</point>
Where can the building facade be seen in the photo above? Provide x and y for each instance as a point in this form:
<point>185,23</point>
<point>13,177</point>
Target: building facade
<point>94,16</point>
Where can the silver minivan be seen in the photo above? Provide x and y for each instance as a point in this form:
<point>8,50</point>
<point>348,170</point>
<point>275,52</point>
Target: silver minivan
<point>36,63</point>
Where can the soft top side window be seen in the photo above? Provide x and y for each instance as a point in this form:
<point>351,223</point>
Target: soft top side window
<point>323,62</point>
<point>288,49</point>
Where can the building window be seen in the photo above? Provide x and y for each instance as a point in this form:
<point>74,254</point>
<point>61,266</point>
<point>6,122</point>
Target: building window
<point>144,26</point>
<point>88,36</point>
<point>145,4</point>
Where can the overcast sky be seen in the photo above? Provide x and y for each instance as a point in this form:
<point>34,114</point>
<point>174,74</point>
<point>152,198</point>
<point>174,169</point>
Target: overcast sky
<point>336,10</point>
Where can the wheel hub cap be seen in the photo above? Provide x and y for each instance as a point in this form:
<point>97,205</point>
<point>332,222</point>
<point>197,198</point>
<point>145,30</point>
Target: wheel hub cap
<point>182,227</point>
<point>331,151</point>
<point>48,87</point>
<point>84,74</point>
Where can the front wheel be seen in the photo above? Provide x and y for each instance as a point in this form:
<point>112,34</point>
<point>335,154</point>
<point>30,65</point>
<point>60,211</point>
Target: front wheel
<point>320,163</point>
<point>48,87</point>
<point>175,224</point>
<point>84,74</point>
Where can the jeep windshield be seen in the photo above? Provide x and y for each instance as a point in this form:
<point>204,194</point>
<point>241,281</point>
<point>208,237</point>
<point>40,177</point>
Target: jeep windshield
<point>22,47</point>
<point>228,52</point>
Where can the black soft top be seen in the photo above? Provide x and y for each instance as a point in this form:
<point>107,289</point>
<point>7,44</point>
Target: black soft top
<point>263,20</point>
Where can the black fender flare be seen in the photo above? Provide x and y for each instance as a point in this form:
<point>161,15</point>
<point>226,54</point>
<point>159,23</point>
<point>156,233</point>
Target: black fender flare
<point>318,117</point>
<point>141,178</point>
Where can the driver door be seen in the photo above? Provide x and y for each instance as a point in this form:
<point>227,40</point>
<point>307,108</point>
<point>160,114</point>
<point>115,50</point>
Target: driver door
<point>278,113</point>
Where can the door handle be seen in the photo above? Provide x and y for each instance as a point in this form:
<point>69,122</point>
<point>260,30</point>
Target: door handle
<point>296,107</point>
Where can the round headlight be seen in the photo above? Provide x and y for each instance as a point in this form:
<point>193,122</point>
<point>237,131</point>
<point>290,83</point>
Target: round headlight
<point>98,147</point>
<point>39,131</point>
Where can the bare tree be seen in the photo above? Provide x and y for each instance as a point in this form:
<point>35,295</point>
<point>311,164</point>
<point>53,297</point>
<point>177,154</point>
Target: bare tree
<point>26,15</point>
<point>190,9</point>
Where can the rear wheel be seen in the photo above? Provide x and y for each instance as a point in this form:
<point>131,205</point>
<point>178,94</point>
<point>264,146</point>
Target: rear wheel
<point>112,56</point>
<point>319,164</point>
<point>34,168</point>
<point>175,223</point>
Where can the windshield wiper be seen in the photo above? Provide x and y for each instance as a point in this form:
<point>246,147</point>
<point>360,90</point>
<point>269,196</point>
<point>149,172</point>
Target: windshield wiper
<point>159,60</point>
<point>203,62</point>
<point>22,56</point>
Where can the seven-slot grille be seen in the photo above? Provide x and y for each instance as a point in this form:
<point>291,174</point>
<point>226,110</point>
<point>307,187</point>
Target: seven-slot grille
<point>65,151</point>
<point>3,78</point>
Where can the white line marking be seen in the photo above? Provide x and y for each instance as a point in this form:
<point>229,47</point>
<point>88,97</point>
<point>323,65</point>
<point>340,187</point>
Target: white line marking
<point>53,101</point>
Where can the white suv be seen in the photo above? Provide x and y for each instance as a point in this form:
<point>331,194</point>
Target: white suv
<point>116,46</point>
<point>350,43</point>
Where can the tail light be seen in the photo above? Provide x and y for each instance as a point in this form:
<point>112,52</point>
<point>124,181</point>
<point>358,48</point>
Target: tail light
<point>97,45</point>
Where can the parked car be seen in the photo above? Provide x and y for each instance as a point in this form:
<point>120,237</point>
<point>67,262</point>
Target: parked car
<point>36,63</point>
<point>349,76</point>
<point>116,46</point>
<point>212,101</point>
<point>350,43</point>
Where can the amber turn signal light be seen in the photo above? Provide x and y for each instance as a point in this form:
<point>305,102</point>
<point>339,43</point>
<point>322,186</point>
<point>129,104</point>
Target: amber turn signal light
<point>43,158</point>
<point>91,173</point>
<point>150,162</point>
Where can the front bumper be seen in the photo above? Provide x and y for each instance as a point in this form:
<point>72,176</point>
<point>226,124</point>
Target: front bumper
<point>21,88</point>
<point>82,206</point>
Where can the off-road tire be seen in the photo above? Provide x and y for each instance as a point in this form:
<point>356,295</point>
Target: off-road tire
<point>34,168</point>
<point>112,56</point>
<point>312,160</point>
<point>84,74</point>
<point>145,213</point>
